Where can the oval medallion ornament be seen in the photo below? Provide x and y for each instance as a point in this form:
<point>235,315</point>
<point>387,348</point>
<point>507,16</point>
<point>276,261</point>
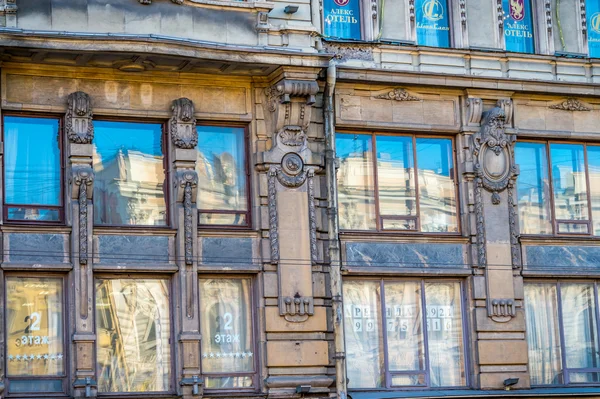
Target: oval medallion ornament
<point>495,164</point>
<point>292,164</point>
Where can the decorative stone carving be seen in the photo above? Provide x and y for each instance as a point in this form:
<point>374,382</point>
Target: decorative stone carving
<point>571,104</point>
<point>398,95</point>
<point>513,221</point>
<point>291,174</point>
<point>297,309</point>
<point>8,7</point>
<point>182,124</point>
<point>312,217</point>
<point>583,18</point>
<point>500,16</point>
<point>262,22</point>
<point>502,310</point>
<point>462,5</point>
<point>82,189</point>
<point>507,106</point>
<point>362,52</point>
<point>411,10</point>
<point>548,8</point>
<point>78,118</point>
<point>480,224</point>
<point>186,186</point>
<point>272,203</point>
<point>493,154</point>
<point>474,110</point>
<point>285,89</point>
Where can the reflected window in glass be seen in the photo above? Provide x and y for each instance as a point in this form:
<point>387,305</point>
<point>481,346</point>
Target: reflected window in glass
<point>396,182</point>
<point>32,169</point>
<point>129,184</point>
<point>133,327</point>
<point>35,334</point>
<point>228,356</point>
<point>405,346</point>
<point>222,176</point>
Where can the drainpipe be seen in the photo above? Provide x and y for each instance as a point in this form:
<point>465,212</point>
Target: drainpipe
<point>335,280</point>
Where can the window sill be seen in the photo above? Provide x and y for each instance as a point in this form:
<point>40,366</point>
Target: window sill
<point>244,5</point>
<point>350,235</point>
<point>467,393</point>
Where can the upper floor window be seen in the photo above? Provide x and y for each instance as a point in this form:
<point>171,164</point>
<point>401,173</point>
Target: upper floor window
<point>32,169</point>
<point>222,176</point>
<point>593,27</point>
<point>130,174</point>
<point>562,333</point>
<point>518,26</point>
<point>418,342</point>
<point>396,182</point>
<point>558,188</point>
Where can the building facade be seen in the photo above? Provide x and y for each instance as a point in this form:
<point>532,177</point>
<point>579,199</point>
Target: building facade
<point>300,198</point>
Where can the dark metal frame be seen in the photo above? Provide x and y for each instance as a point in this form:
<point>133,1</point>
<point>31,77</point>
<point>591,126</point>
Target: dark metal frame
<point>564,370</point>
<point>255,334</point>
<point>387,374</point>
<point>555,222</point>
<point>65,338</point>
<point>172,320</point>
<point>164,148</point>
<point>378,217</point>
<point>61,207</point>
<point>247,213</point>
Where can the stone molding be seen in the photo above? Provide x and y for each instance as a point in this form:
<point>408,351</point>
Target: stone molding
<point>186,185</point>
<point>344,51</point>
<point>82,181</point>
<point>182,124</point>
<point>398,94</point>
<point>180,2</point>
<point>571,104</point>
<point>79,126</point>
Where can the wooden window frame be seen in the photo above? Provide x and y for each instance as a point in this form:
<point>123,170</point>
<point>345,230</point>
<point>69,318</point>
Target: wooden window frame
<point>378,217</point>
<point>60,208</point>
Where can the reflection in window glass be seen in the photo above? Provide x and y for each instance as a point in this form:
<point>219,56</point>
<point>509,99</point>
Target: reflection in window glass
<point>364,342</point>
<point>129,174</point>
<point>533,188</point>
<point>444,334</point>
<point>34,327</point>
<point>133,329</point>
<point>437,191</point>
<point>576,316</point>
<point>32,172</point>
<point>356,182</point>
<point>543,339</point>
<point>221,167</point>
<point>569,182</point>
<point>402,334</point>
<point>433,23</point>
<point>227,343</point>
<point>593,157</point>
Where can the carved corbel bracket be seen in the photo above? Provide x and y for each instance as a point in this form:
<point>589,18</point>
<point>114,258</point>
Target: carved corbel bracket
<point>186,184</point>
<point>82,189</point>
<point>182,124</point>
<point>291,102</point>
<point>79,127</point>
<point>474,111</point>
<point>296,309</point>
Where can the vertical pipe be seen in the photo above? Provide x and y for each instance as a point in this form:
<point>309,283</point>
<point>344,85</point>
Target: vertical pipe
<point>335,284</point>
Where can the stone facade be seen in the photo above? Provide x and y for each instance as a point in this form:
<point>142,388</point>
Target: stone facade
<point>265,68</point>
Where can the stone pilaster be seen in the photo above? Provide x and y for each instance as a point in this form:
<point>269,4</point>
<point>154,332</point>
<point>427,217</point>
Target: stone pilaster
<point>79,133</point>
<point>297,355</point>
<point>497,285</point>
<point>183,138</point>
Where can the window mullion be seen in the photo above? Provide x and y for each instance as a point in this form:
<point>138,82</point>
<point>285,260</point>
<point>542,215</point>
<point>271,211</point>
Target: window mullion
<point>425,334</point>
<point>563,355</point>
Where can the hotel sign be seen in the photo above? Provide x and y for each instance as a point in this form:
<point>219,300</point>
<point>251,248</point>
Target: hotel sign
<point>433,23</point>
<point>341,18</point>
<point>518,26</point>
<point>593,12</point>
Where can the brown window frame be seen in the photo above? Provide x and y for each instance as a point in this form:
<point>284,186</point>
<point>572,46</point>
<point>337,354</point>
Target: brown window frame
<point>172,320</point>
<point>166,187</point>
<point>60,208</point>
<point>378,217</point>
<point>66,338</point>
<point>248,212</point>
<point>255,334</point>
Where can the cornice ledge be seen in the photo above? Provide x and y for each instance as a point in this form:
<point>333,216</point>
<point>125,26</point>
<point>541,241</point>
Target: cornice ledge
<point>242,5</point>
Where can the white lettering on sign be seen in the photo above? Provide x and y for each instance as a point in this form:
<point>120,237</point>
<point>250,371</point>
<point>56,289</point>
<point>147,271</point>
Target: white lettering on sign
<point>226,338</point>
<point>31,340</point>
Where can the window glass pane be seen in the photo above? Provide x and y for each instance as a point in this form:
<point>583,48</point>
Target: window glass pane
<point>566,33</point>
<point>580,325</point>
<point>584,377</point>
<point>221,167</point>
<point>445,335</point>
<point>396,176</point>
<point>35,385</point>
<point>228,382</point>
<point>518,26</point>
<point>34,327</point>
<point>31,163</point>
<point>133,329</point>
<point>533,188</point>
<point>46,215</point>
<point>593,26</point>
<point>404,323</point>
<point>569,182</point>
<point>593,155</point>
<point>364,348</point>
<point>341,19</point>
<point>433,23</point>
<point>129,181</point>
<point>356,186</point>
<point>437,192</point>
<point>235,219</point>
<point>226,316</point>
<point>408,380</point>
<point>543,339</point>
